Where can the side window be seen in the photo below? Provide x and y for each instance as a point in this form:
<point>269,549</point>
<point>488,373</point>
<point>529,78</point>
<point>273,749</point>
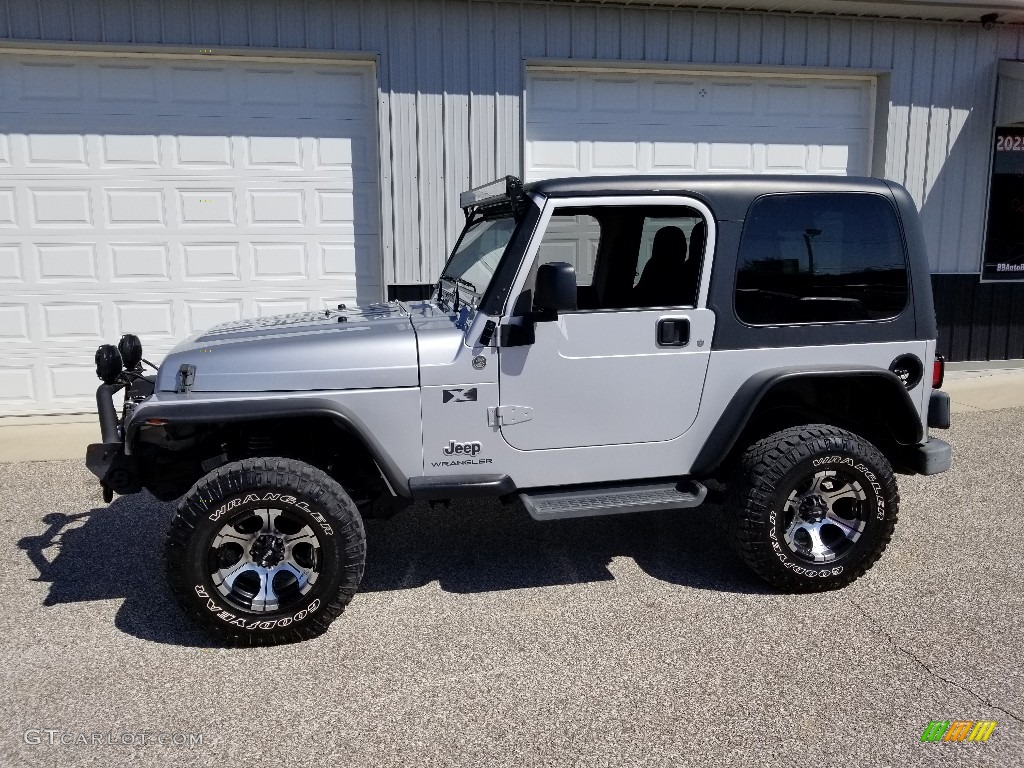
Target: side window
<point>817,258</point>
<point>628,257</point>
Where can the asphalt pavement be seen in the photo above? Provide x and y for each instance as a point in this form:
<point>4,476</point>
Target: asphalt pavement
<point>482,638</point>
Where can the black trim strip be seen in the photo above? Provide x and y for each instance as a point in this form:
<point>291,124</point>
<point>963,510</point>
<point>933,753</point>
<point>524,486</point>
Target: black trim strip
<point>460,486</point>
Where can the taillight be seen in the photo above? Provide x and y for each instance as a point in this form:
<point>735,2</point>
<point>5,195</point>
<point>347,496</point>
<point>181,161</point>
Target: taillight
<point>938,371</point>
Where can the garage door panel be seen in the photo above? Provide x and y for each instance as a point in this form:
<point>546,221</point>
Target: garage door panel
<point>732,98</point>
<point>8,208</point>
<point>201,152</point>
<point>217,262</point>
<point>117,151</point>
<point>61,263</point>
<point>279,261</point>
<point>787,158</point>
<point>50,80</point>
<point>548,156</point>
<point>552,93</point>
<point>730,157</point>
<point>132,207</point>
<point>276,208</point>
<point>274,152</point>
<point>788,100</point>
<point>674,97</point>
<point>17,387</point>
<point>14,324</point>
<point>11,269</point>
<point>55,150</point>
<point>126,82</point>
<point>615,94</point>
<point>842,101</point>
<point>695,124</point>
<point>673,156</point>
<point>70,382</point>
<point>60,207</point>
<point>146,262</point>
<point>160,197</point>
<point>150,319</point>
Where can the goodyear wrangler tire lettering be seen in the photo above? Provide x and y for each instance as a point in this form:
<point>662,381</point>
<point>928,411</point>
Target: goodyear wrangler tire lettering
<point>812,508</point>
<point>230,618</point>
<point>278,559</point>
<point>251,498</point>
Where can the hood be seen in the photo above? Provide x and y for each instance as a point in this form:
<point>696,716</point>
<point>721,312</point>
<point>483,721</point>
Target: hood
<point>359,348</point>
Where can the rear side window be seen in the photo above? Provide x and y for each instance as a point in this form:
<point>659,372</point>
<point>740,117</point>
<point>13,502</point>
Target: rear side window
<point>819,258</point>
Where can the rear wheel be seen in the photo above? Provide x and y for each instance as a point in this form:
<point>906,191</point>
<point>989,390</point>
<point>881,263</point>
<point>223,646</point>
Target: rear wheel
<point>265,551</point>
<point>812,507</point>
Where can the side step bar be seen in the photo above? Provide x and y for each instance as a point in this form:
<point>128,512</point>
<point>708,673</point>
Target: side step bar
<point>588,501</point>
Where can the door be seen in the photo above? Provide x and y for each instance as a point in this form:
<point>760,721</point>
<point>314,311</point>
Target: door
<point>580,123</point>
<point>628,366</point>
<point>160,196</point>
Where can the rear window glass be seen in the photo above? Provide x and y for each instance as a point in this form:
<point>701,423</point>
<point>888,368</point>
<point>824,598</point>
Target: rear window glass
<point>817,258</point>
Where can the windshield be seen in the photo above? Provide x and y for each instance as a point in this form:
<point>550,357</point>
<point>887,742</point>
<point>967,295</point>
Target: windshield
<point>476,257</point>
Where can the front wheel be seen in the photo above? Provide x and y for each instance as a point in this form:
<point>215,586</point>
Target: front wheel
<point>265,551</point>
<point>812,507</point>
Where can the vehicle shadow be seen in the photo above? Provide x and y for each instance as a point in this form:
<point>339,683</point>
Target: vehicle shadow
<point>116,552</point>
<point>485,546</point>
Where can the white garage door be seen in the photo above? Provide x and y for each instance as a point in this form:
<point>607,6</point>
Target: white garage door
<point>592,123</point>
<point>161,196</point>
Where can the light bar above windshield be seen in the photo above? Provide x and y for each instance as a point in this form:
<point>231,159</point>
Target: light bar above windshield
<point>508,189</point>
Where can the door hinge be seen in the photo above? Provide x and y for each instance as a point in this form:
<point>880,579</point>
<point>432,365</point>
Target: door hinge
<point>503,415</point>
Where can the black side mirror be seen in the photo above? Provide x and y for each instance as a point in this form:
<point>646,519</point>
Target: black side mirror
<point>556,288</point>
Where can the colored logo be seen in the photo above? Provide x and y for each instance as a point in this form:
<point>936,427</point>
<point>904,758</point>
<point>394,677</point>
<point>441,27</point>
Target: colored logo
<point>958,730</point>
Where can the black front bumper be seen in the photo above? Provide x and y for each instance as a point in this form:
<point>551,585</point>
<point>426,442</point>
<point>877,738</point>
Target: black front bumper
<point>106,460</point>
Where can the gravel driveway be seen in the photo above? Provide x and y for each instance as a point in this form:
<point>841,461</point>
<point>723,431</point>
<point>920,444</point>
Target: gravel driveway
<point>482,638</point>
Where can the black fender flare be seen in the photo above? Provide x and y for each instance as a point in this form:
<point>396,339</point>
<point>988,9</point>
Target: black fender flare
<point>907,428</point>
<point>194,410</point>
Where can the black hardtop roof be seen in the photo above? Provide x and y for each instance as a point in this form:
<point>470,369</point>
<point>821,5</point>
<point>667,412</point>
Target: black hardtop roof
<point>728,195</point>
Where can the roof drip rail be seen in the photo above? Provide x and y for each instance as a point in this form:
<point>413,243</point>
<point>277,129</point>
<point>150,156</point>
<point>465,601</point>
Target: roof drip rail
<point>508,190</point>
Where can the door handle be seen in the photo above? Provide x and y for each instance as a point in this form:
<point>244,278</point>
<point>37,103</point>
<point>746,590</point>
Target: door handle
<point>673,332</point>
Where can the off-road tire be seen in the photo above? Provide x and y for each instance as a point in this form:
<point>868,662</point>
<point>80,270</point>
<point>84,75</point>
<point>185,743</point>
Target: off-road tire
<point>765,491</point>
<point>269,492</point>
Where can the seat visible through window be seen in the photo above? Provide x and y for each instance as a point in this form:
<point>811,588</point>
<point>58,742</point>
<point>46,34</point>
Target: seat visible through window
<point>663,281</point>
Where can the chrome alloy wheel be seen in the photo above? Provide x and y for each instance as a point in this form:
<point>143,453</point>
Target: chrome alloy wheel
<point>264,560</point>
<point>825,515</point>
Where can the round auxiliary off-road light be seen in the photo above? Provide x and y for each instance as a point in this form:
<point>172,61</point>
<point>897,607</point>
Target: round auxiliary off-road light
<point>131,350</point>
<point>108,363</point>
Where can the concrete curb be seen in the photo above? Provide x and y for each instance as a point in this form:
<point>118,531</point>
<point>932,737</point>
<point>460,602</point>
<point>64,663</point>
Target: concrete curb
<point>986,390</point>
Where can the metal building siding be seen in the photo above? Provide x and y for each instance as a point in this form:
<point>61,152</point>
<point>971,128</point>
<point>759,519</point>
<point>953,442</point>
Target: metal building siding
<point>451,78</point>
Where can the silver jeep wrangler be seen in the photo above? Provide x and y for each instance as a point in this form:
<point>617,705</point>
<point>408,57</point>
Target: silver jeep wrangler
<point>593,346</point>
